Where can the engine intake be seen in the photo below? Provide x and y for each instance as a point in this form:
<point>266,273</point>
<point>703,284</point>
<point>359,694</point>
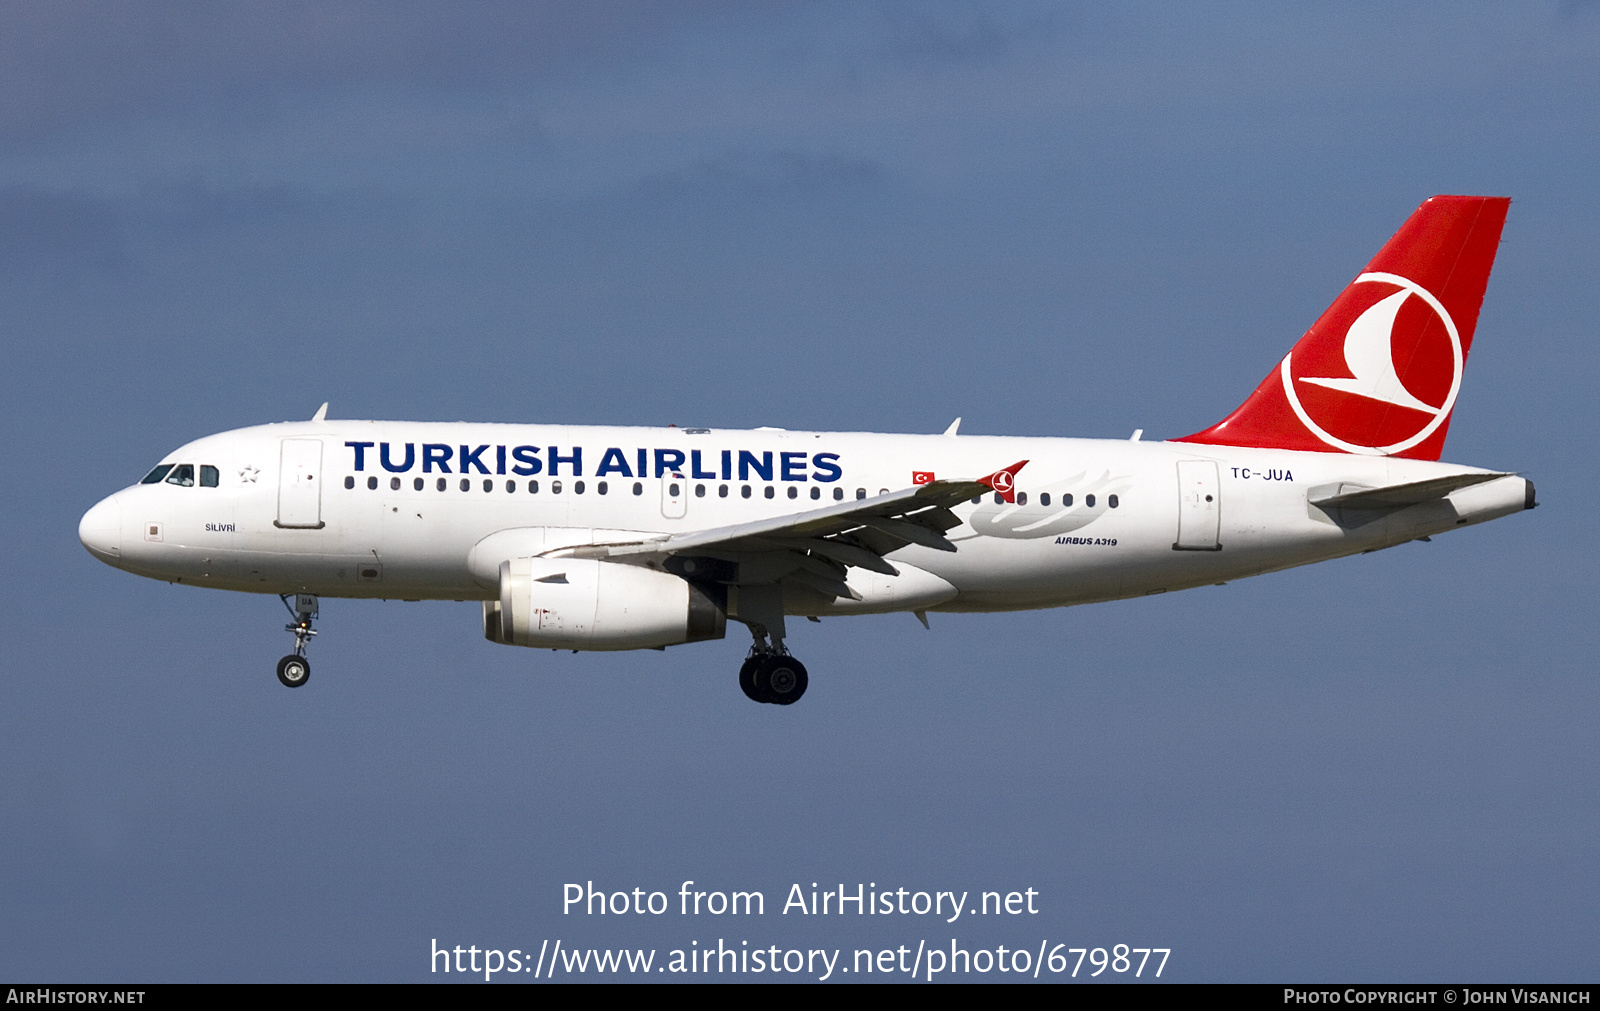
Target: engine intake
<point>583,603</point>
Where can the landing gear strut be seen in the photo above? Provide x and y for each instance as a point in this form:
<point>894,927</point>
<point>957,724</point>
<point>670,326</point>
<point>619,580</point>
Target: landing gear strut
<point>294,670</point>
<point>769,674</point>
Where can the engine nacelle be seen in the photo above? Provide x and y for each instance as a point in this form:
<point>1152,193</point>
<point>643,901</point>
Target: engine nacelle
<point>583,603</point>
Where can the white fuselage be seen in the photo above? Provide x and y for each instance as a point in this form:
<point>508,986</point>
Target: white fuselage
<point>294,510</point>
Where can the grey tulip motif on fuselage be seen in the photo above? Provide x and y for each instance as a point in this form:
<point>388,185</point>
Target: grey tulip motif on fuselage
<point>1017,521</point>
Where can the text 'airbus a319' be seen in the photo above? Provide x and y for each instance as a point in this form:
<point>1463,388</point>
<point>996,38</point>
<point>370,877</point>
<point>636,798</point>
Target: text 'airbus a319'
<point>642,538</point>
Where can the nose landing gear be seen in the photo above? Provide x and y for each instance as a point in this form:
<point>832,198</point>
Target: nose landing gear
<point>294,670</point>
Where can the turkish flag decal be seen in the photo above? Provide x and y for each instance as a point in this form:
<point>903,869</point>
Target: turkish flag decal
<point>922,477</point>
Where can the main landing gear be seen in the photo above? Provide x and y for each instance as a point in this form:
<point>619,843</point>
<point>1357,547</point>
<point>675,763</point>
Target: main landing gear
<point>769,673</point>
<point>294,670</point>
<point>777,678</point>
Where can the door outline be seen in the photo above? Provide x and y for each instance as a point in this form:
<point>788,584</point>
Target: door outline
<point>674,507</point>
<point>1199,506</point>
<point>300,485</point>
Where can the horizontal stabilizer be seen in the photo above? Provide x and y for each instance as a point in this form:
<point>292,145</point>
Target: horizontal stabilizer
<point>1396,496</point>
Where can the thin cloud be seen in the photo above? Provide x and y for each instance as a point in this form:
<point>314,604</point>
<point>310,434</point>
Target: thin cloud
<point>65,63</point>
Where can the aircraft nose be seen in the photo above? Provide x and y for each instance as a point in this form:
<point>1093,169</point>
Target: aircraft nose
<point>100,530</point>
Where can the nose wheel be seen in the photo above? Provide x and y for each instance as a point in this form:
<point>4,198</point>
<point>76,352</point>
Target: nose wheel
<point>294,670</point>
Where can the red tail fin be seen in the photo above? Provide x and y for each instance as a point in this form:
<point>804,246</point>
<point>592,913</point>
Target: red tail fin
<point>1378,374</point>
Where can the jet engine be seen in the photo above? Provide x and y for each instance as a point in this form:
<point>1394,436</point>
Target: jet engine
<point>583,603</point>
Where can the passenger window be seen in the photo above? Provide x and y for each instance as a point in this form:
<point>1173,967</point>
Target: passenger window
<point>182,475</point>
<point>416,484</point>
<point>208,476</point>
<point>394,484</point>
<point>699,491</point>
<point>816,493</point>
<point>601,488</point>
<point>1022,498</point>
<point>155,476</point>
<point>349,482</point>
<point>638,489</point>
<point>722,491</point>
<point>511,486</point>
<point>533,487</point>
<point>1088,500</point>
<point>794,492</point>
<point>372,482</point>
<point>466,485</point>
<point>1044,498</point>
<point>555,487</point>
<point>999,499</point>
<point>488,485</point>
<point>744,490</point>
<point>1111,500</point>
<point>838,494</point>
<point>862,493</point>
<point>1066,500</point>
<point>770,491</point>
<point>674,490</point>
<point>577,487</point>
<point>441,484</point>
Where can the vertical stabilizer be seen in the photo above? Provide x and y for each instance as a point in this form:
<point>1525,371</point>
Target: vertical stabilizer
<point>1378,374</point>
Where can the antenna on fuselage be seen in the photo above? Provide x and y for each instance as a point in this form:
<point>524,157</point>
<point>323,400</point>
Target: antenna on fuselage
<point>322,413</point>
<point>951,431</point>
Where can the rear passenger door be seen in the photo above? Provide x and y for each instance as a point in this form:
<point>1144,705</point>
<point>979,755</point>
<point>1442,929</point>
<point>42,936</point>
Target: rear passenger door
<point>1199,506</point>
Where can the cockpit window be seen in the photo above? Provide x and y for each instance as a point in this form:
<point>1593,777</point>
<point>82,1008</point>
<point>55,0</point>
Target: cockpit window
<point>208,476</point>
<point>182,475</point>
<point>155,476</point>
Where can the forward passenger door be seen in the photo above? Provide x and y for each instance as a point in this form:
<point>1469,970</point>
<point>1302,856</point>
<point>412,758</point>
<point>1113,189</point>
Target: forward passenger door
<point>300,484</point>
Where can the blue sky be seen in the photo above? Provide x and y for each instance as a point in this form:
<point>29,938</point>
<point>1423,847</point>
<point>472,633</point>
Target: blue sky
<point>1048,219</point>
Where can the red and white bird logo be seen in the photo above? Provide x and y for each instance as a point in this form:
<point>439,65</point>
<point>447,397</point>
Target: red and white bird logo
<point>1004,482</point>
<point>1393,378</point>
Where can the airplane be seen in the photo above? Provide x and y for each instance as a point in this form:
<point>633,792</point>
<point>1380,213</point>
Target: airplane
<point>613,538</point>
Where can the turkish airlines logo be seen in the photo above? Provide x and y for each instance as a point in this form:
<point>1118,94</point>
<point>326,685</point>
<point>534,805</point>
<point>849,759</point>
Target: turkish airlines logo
<point>1004,482</point>
<point>1401,351</point>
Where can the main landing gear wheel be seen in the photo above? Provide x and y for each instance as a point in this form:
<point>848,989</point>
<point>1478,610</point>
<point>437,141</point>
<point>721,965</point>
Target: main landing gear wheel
<point>747,678</point>
<point>782,680</point>
<point>294,670</point>
<point>774,678</point>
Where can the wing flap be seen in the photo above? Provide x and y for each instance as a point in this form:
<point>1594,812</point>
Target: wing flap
<point>910,531</point>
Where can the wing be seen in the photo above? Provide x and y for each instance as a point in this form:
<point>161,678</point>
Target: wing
<point>815,548</point>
